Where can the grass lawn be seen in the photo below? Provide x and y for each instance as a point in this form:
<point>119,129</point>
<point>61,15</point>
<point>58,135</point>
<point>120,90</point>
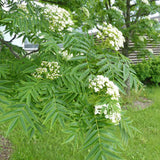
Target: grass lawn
<point>143,146</point>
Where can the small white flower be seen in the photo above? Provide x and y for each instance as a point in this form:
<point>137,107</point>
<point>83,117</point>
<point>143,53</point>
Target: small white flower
<point>112,36</point>
<point>98,109</point>
<point>150,50</point>
<point>147,17</point>
<point>146,2</point>
<point>141,38</point>
<point>49,70</point>
<point>96,89</point>
<point>156,19</point>
<point>100,82</point>
<point>98,36</point>
<point>117,9</point>
<point>66,55</point>
<point>112,2</point>
<point>115,117</point>
<point>112,43</point>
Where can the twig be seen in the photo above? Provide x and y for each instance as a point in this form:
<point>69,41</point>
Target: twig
<point>27,54</point>
<point>6,43</point>
<point>12,39</point>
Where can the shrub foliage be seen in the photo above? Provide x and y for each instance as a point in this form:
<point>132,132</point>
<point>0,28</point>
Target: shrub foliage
<point>148,71</point>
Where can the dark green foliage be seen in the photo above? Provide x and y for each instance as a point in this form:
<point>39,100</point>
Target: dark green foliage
<point>148,71</point>
<point>72,4</point>
<point>33,103</point>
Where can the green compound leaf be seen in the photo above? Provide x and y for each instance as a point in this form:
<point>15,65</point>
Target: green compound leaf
<point>12,125</point>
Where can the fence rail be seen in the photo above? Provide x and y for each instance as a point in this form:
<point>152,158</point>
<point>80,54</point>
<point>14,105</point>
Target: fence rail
<point>134,57</point>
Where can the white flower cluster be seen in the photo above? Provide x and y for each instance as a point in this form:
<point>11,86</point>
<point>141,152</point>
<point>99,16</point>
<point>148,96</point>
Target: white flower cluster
<point>117,9</point>
<point>66,55</point>
<point>113,37</point>
<point>142,38</point>
<point>100,82</point>
<point>59,18</point>
<point>112,2</point>
<point>23,7</point>
<point>147,17</point>
<point>146,2</point>
<point>156,19</point>
<point>109,112</point>
<point>49,70</point>
<point>150,50</point>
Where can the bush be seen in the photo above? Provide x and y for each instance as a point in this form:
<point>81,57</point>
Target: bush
<point>148,71</point>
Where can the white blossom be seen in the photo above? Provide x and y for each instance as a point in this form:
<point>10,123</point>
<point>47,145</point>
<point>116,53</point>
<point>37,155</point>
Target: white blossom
<point>112,110</point>
<point>117,9</point>
<point>146,2</point>
<point>147,17</point>
<point>59,18</point>
<point>150,50</point>
<point>109,112</point>
<point>100,82</point>
<point>49,70</point>
<point>111,35</point>
<point>112,2</point>
<point>65,54</point>
<point>142,38</point>
<point>115,117</point>
<point>156,19</point>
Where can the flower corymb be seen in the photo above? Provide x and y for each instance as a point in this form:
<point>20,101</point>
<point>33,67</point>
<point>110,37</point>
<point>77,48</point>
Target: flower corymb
<point>59,18</point>
<point>111,110</point>
<point>100,82</point>
<point>112,37</point>
<point>145,2</point>
<point>117,9</point>
<point>49,70</point>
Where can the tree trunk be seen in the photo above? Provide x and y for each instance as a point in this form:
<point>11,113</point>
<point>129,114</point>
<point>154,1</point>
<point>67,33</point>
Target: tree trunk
<point>125,50</point>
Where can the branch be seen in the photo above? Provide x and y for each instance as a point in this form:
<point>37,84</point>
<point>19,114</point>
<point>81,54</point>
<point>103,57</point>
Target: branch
<point>6,43</point>
<point>109,3</point>
<point>106,5</point>
<point>127,18</point>
<point>12,38</point>
<point>27,54</point>
<point>153,1</point>
<point>133,5</point>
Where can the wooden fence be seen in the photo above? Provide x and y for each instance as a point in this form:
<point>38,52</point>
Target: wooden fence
<point>134,56</point>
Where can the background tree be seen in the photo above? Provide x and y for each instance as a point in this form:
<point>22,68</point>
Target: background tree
<point>132,17</point>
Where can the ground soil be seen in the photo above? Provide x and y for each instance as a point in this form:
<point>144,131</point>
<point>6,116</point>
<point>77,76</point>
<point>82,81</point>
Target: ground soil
<point>5,148</point>
<point>142,103</point>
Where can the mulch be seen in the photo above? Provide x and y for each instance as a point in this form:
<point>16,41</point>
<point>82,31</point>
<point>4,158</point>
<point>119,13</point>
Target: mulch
<point>142,103</point>
<point>5,148</point>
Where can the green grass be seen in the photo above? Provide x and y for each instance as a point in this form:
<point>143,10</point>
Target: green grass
<point>145,145</point>
<point>46,146</point>
<point>49,146</point>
